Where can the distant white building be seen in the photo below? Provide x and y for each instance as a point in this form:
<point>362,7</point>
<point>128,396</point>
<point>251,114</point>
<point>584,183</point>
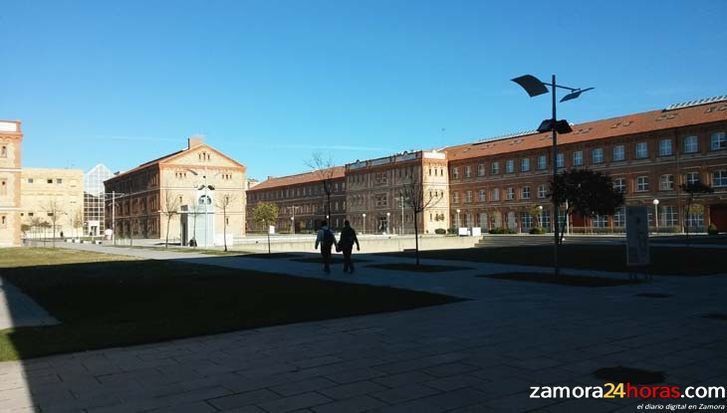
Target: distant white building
<point>94,200</point>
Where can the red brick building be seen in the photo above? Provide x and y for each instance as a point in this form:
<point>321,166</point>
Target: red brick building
<point>501,182</point>
<point>301,200</point>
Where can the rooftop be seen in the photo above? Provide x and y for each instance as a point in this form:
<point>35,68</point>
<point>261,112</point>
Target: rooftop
<point>674,116</point>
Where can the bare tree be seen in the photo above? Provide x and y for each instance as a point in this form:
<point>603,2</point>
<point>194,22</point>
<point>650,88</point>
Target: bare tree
<point>224,203</point>
<point>171,208</point>
<point>77,220</point>
<point>693,190</point>
<point>53,210</point>
<point>413,194</point>
<point>324,168</point>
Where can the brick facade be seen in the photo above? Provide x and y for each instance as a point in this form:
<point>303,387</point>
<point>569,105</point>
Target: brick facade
<point>171,183</point>
<point>11,140</point>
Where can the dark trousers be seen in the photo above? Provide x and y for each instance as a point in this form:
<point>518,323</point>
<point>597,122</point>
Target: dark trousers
<point>326,254</point>
<point>347,261</point>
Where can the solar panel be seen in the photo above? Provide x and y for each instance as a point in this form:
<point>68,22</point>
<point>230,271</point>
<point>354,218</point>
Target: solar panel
<point>691,103</point>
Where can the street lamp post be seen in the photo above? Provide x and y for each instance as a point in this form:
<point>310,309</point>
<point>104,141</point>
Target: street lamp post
<point>540,216</point>
<point>459,224</point>
<point>656,214</point>
<point>534,87</point>
<point>388,220</point>
<point>364,223</point>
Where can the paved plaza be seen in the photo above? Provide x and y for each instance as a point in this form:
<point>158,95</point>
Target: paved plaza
<point>478,355</point>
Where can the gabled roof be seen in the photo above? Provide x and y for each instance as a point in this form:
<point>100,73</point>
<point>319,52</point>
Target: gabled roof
<point>306,177</point>
<point>173,155</point>
<point>680,116</point>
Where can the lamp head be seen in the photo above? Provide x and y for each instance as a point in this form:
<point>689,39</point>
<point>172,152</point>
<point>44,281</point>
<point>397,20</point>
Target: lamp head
<point>532,85</point>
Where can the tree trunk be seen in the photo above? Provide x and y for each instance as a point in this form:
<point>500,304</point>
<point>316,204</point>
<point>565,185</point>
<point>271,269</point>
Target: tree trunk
<point>267,231</point>
<point>224,227</point>
<point>416,237</point>
<point>166,243</point>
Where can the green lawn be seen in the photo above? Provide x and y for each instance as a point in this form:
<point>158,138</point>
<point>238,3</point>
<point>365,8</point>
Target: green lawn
<point>417,268</point>
<point>569,280</point>
<point>106,302</point>
<point>665,260</point>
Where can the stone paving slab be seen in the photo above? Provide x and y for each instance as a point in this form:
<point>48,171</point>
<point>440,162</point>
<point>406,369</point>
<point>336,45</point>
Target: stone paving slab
<point>478,356</point>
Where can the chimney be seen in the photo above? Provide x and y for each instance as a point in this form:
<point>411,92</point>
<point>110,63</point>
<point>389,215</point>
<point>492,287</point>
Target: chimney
<point>195,140</point>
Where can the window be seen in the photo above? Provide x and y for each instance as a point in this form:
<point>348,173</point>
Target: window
<point>495,168</point>
<point>719,141</point>
<point>525,165</point>
<point>691,144</point>
<point>692,178</point>
<point>509,166</point>
<point>666,182</point>
<point>3,220</point>
<point>719,178</point>
<point>619,218</point>
<point>600,221</point>
<point>542,162</point>
<point>619,185</point>
<point>381,200</point>
<point>49,180</point>
<point>483,195</point>
<point>526,221</point>
<point>468,197</point>
<point>642,150</point>
<point>481,169</point>
<point>560,161</point>
<point>525,193</point>
<point>510,193</point>
<point>455,173</point>
<point>665,147</point>
<point>619,153</point>
<point>668,216</point>
<point>542,191</point>
<point>468,171</point>
<point>495,194</point>
<point>695,220</point>
<point>3,154</point>
<point>455,197</point>
<point>30,180</point>
<point>597,155</point>
<point>3,187</point>
<point>577,158</point>
<point>642,183</point>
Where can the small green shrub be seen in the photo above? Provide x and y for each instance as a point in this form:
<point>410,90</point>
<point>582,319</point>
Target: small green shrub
<point>537,230</point>
<point>440,231</point>
<point>712,230</point>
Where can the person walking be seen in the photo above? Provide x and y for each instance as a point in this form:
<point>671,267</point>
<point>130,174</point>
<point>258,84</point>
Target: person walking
<point>348,238</point>
<point>326,240</point>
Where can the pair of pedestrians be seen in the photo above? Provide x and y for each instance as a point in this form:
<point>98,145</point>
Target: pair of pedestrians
<point>326,239</point>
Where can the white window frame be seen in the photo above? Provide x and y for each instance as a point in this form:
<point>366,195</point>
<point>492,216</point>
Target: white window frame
<point>641,150</point>
<point>525,192</point>
<point>577,158</point>
<point>525,165</point>
<point>542,191</point>
<point>597,159</point>
<point>718,141</point>
<point>510,166</point>
<point>666,148</point>
<point>690,144</point>
<point>619,153</point>
<point>542,162</point>
<point>666,182</point>
<point>719,178</point>
<point>642,183</point>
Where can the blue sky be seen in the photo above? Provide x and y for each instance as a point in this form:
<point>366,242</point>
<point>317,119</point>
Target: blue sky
<point>270,82</point>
